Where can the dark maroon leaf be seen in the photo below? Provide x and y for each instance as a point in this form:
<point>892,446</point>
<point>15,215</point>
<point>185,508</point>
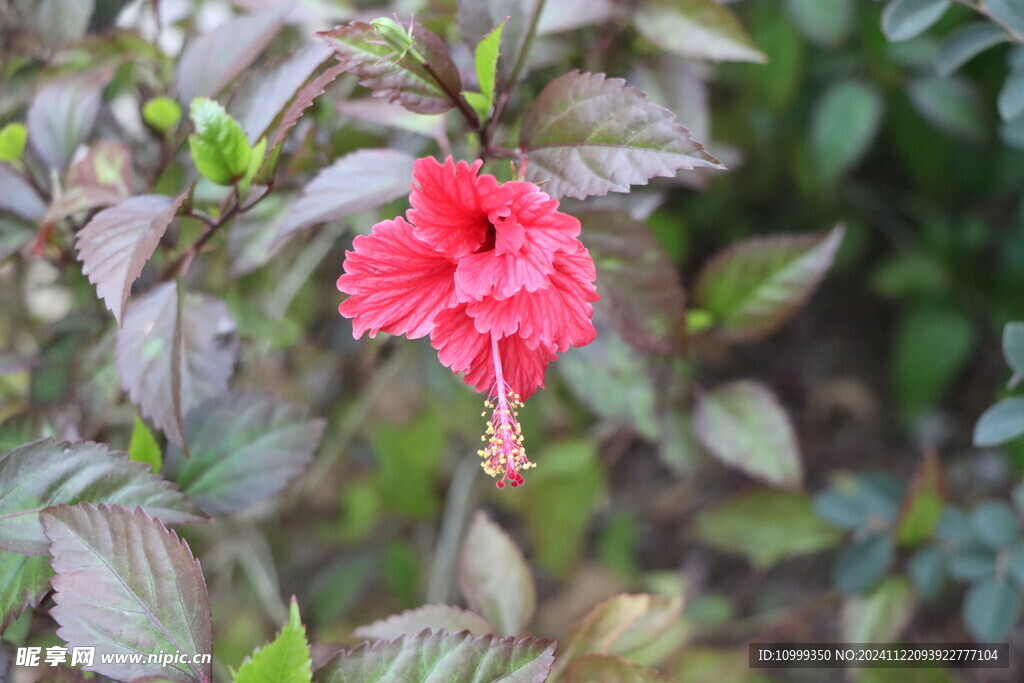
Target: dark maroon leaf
<point>398,78</point>
<point>212,60</point>
<point>62,114</point>
<point>637,281</point>
<point>243,448</point>
<point>102,178</point>
<point>436,617</point>
<point>265,93</point>
<point>303,100</point>
<point>567,15</point>
<point>17,196</point>
<point>357,182</point>
<point>115,245</point>
<point>589,135</point>
<point>382,113</point>
<point>125,584</point>
<point>172,360</point>
<point>44,473</point>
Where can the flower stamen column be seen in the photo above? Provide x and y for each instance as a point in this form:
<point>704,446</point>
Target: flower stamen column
<point>504,453</point>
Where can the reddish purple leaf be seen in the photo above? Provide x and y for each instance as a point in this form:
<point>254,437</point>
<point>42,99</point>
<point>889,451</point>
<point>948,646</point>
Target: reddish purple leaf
<point>62,114</point>
<point>638,283</point>
<point>17,196</point>
<point>398,79</point>
<point>303,100</point>
<point>125,584</point>
<point>212,60</point>
<point>115,246</point>
<point>436,617</point>
<point>172,360</point>
<point>610,669</point>
<point>102,178</point>
<point>356,182</point>
<point>589,135</point>
<point>266,92</point>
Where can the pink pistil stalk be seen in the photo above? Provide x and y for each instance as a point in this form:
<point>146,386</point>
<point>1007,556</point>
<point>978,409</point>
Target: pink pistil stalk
<point>504,453</point>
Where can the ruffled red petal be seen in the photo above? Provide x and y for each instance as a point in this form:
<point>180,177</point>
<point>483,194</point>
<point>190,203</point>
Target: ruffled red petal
<point>397,284</point>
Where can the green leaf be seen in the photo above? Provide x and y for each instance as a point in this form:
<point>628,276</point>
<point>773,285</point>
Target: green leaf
<point>495,578</point>
<point>1009,13</point>
<point>610,669</point>
<point>108,595</point>
<point>402,79</point>
<point>927,569</point>
<point>846,120</point>
<point>990,608</point>
<point>244,448</point>
<point>619,626</point>
<point>906,19</point>
<point>766,527</point>
<point>438,657</point>
<point>879,616</point>
<point>285,660</point>
<point>259,152</point>
<point>162,113</point>
<point>922,505</point>
<point>117,243</point>
<point>173,354</point>
<point>24,580</point>
<point>932,346</point>
<point>481,105</point>
<point>408,459</point>
<point>972,563</point>
<point>436,617</point>
<point>45,473</point>
<point>1000,423</point>
<point>965,42</point>
<point>757,285</point>
<point>742,424</point>
<point>995,524</point>
<point>103,177</point>
<point>950,104</point>
<point>477,18</point>
<point>144,448</point>
<point>588,135</point>
<point>1013,347</point>
<point>639,283</point>
<point>823,23</point>
<point>486,58</point>
<point>219,147</point>
<point>862,565</point>
<point>12,141</point>
<point>698,29</point>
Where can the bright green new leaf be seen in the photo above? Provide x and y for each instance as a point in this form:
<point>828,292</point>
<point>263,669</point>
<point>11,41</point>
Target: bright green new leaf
<point>486,71</point>
<point>255,164</point>
<point>285,660</point>
<point>143,447</point>
<point>12,141</point>
<point>922,507</point>
<point>219,147</point>
<point>162,113</point>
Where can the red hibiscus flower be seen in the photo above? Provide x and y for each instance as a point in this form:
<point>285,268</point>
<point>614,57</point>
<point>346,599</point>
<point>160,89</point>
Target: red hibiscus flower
<point>497,277</point>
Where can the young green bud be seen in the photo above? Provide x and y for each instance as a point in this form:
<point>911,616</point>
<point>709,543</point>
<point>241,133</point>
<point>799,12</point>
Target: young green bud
<point>397,37</point>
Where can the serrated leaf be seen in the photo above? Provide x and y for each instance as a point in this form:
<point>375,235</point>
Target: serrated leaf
<point>618,626</point>
<point>62,115</point>
<point>108,596</point>
<point>965,42</point>
<point>922,505</point>
<point>610,669</point>
<point>639,284</point>
<point>397,78</point>
<point>588,135</point>
<point>117,243</point>
<point>906,19</point>
<point>486,60</point>
<point>303,100</point>
<point>144,448</point>
<point>173,357</point>
<point>436,617</point>
<point>742,424</point>
<point>824,23</point>
<point>356,182</point>
<point>219,147</point>
<point>766,527</point>
<point>244,448</point>
<point>24,580</point>
<point>439,657</point>
<point>1000,423</point>
<point>211,61</point>
<point>950,104</point>
<point>162,113</point>
<point>879,616</point>
<point>758,284</point>
<point>285,660</point>
<point>495,577</point>
<point>102,178</point>
<point>12,141</point>
<point>44,473</point>
<point>845,122</point>
<point>477,18</point>
<point>266,92</point>
<point>698,29</point>
<point>990,608</point>
<point>1013,346</point>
